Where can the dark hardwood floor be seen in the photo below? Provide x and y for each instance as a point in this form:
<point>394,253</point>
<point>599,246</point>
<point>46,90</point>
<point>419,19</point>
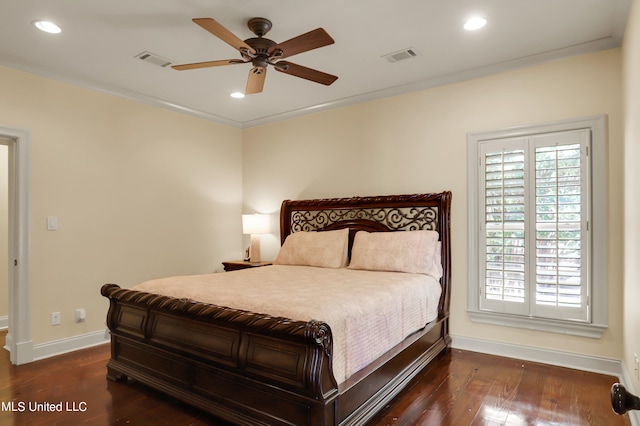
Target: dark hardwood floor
<point>459,388</point>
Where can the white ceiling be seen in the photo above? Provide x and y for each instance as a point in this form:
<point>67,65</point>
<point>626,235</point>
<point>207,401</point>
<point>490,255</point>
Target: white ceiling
<point>100,40</point>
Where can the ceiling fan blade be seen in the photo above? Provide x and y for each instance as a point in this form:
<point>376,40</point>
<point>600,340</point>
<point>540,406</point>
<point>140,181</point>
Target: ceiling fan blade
<point>305,42</point>
<point>255,83</point>
<point>304,72</point>
<point>215,28</point>
<point>207,64</point>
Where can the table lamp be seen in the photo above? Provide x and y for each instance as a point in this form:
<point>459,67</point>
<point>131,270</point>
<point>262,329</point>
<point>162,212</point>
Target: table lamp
<point>255,224</point>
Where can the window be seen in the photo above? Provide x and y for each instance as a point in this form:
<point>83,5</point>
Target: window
<point>537,220</point>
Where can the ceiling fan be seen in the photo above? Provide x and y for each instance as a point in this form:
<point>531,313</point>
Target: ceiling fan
<point>262,52</point>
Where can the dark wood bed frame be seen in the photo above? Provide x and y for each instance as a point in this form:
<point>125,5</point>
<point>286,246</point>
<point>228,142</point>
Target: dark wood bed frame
<point>253,369</point>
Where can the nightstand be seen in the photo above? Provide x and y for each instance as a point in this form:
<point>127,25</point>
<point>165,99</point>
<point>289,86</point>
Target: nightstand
<point>234,265</point>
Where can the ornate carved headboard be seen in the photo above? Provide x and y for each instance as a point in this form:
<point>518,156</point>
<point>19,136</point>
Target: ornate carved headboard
<point>385,213</point>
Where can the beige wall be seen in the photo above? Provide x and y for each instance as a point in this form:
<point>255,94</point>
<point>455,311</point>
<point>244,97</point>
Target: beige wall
<point>4,237</point>
<point>417,143</point>
<point>142,192</point>
<point>632,193</point>
<point>139,192</point>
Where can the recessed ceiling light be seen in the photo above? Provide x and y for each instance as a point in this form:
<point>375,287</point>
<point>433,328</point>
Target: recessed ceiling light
<point>48,27</point>
<point>475,23</point>
<point>237,95</point>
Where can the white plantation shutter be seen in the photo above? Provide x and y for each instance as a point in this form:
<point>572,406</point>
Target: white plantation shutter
<point>533,242</point>
<point>561,222</point>
<point>505,221</point>
<point>503,262</point>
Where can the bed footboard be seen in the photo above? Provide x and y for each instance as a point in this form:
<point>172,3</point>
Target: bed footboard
<point>222,360</point>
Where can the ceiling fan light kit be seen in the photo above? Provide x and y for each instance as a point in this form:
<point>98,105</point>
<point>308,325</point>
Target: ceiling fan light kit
<point>262,52</point>
<point>47,27</point>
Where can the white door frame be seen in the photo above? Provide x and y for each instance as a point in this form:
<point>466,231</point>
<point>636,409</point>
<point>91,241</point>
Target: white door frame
<point>19,340</point>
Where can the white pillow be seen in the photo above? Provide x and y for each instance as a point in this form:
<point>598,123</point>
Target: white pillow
<point>326,249</point>
<point>415,252</point>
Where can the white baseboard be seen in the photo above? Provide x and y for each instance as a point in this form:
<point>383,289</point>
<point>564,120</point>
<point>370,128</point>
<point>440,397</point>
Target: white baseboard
<point>612,367</point>
<point>4,322</point>
<point>70,344</point>
<point>545,356</point>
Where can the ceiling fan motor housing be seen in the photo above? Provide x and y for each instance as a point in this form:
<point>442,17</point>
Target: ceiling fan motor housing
<point>261,47</point>
<point>259,26</point>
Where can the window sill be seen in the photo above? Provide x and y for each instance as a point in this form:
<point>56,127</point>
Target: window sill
<point>594,331</point>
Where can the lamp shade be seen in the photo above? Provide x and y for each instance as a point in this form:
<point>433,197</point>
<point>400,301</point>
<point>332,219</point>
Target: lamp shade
<point>255,224</point>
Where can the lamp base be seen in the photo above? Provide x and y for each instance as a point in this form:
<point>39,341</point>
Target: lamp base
<point>254,249</point>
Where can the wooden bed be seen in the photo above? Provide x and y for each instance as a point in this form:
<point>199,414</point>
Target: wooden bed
<point>253,369</point>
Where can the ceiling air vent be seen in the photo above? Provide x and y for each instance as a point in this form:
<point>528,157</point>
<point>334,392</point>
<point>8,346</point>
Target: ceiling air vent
<point>400,55</point>
<point>154,59</point>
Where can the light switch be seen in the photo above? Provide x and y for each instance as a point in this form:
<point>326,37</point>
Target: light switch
<point>52,223</point>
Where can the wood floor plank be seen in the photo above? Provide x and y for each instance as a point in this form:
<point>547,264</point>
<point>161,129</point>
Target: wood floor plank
<point>496,406</point>
<point>556,403</point>
<point>431,398</point>
<point>525,407</point>
<point>445,395</point>
<point>469,404</point>
<point>589,405</point>
<point>459,388</point>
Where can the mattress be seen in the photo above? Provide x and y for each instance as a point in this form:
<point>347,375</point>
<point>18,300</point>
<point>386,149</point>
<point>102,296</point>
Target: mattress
<point>369,312</point>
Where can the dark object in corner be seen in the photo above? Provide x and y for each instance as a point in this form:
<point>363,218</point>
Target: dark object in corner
<point>622,400</point>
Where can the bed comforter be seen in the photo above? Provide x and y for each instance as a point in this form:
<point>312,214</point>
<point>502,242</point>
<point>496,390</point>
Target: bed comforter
<point>369,312</point>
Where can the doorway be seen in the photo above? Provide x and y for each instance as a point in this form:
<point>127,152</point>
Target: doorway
<point>4,235</point>
<point>17,143</point>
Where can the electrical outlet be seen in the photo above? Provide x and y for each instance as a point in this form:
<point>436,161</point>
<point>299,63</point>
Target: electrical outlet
<point>55,318</point>
<point>81,315</point>
<point>636,366</point>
